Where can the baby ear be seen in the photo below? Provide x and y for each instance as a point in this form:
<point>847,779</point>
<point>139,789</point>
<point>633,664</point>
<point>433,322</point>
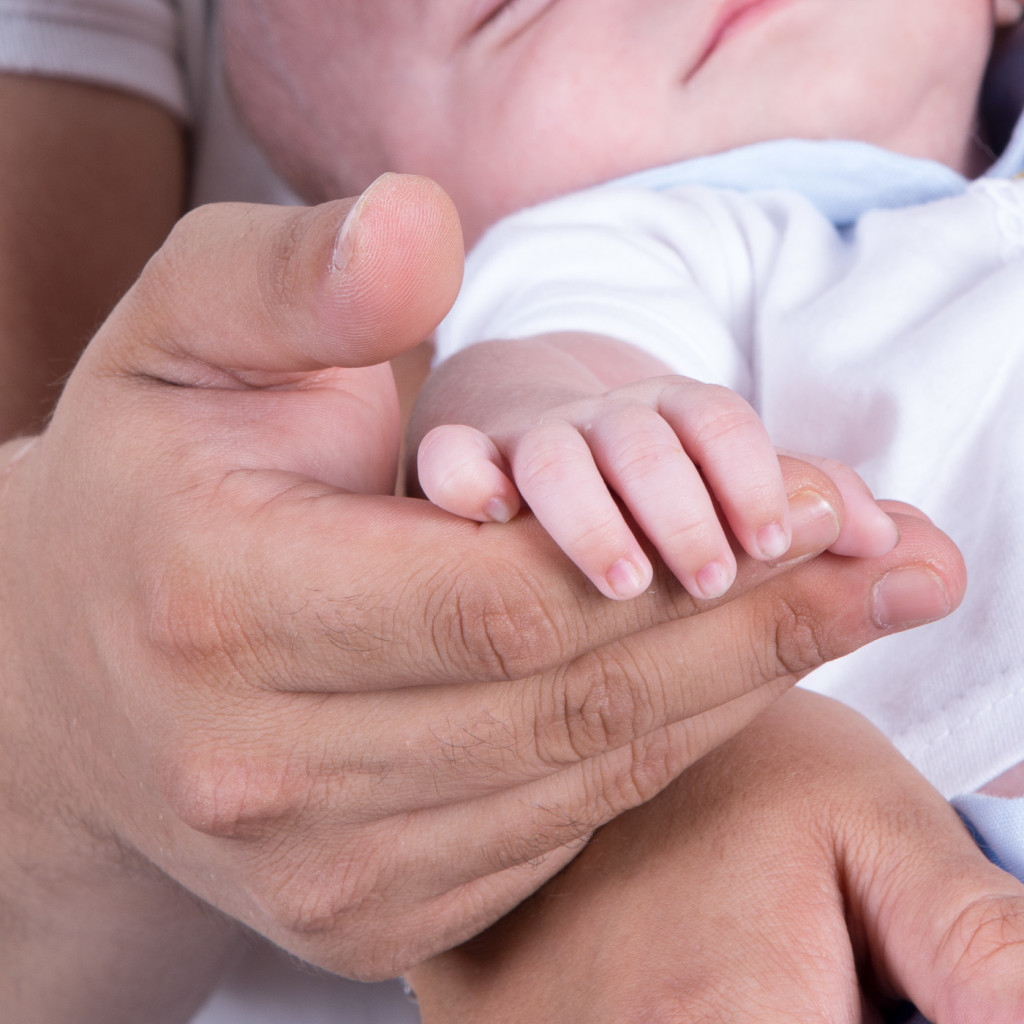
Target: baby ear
<point>1008,12</point>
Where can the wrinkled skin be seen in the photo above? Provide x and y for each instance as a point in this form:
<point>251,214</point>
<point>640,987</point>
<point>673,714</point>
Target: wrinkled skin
<point>801,872</point>
<point>237,671</point>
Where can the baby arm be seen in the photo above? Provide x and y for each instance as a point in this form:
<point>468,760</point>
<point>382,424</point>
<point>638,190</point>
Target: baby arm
<point>575,424</point>
<point>802,872</point>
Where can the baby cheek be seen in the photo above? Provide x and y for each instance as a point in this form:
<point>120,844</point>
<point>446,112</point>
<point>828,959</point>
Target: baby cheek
<point>538,128</point>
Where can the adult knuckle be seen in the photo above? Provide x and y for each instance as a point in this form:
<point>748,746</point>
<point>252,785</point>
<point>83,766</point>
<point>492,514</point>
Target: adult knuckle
<point>799,643</point>
<point>283,270</point>
<point>340,911</point>
<point>523,849</point>
<point>501,628</point>
<point>232,795</point>
<point>166,276</point>
<point>189,231</point>
<point>599,704</point>
<point>184,622</point>
<point>653,764</point>
<point>553,828</point>
<point>630,777</point>
<point>198,617</point>
<point>984,933</point>
<point>311,902</point>
<point>667,1006</point>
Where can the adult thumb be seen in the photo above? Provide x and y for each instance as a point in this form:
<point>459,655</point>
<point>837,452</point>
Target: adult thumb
<point>953,930</point>
<point>277,290</point>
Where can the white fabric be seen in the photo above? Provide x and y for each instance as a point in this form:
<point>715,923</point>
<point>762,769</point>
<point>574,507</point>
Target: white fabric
<point>269,988</point>
<point>129,43</point>
<point>161,49</point>
<point>897,347</point>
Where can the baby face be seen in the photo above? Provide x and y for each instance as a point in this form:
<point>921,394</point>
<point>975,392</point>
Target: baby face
<point>509,102</point>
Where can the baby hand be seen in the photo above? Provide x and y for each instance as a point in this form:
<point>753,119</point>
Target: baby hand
<point>679,458</point>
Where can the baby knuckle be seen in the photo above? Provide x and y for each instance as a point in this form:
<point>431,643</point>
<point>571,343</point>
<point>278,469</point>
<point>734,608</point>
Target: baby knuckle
<point>729,416</point>
<point>543,456</point>
<point>642,456</point>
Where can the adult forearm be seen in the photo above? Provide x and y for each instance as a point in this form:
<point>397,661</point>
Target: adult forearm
<point>92,181</point>
<point>91,934</point>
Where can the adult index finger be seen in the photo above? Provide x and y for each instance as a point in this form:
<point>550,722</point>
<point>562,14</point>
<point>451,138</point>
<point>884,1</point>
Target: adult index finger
<point>418,597</point>
<point>583,735</point>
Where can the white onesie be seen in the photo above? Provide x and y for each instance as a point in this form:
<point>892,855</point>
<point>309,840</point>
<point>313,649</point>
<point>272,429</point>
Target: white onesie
<point>895,344</point>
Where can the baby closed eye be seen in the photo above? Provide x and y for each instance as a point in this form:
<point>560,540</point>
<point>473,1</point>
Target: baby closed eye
<point>507,14</point>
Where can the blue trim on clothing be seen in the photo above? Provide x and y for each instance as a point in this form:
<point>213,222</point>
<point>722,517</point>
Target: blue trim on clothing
<point>997,825</point>
<point>843,179</point>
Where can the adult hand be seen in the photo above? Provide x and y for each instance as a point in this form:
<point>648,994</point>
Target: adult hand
<point>804,871</point>
<point>360,726</point>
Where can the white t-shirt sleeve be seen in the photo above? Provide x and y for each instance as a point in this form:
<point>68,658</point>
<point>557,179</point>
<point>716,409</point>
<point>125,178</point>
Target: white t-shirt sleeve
<point>130,44</point>
<point>164,50</point>
<point>670,275</point>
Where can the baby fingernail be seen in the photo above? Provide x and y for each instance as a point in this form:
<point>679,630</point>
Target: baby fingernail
<point>815,524</point>
<point>772,541</point>
<point>909,597</point>
<point>713,580</point>
<point>497,510</point>
<point>625,579</point>
<point>888,533</point>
